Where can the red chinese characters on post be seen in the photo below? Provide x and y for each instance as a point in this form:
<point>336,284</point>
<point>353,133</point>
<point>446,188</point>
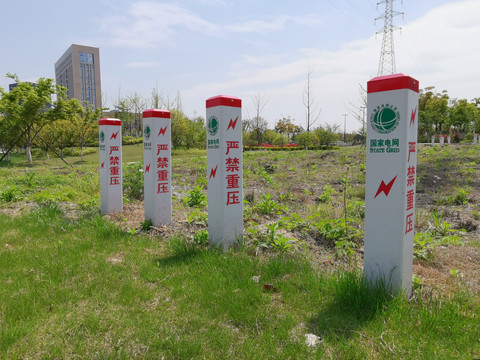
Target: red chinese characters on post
<point>411,172</point>
<point>233,179</point>
<point>232,164</point>
<point>162,162</point>
<point>410,199</point>
<point>411,149</point>
<point>409,223</point>
<point>411,176</point>
<point>232,145</point>
<point>114,166</point>
<point>162,170</point>
<point>161,147</point>
<point>162,188</point>
<point>233,198</point>
<point>162,175</point>
<point>113,149</point>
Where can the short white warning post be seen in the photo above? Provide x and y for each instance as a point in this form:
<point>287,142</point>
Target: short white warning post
<point>392,107</point>
<point>224,170</point>
<point>110,146</point>
<point>157,165</point>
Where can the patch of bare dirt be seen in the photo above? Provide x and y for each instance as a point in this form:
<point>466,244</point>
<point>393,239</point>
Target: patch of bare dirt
<point>454,267</point>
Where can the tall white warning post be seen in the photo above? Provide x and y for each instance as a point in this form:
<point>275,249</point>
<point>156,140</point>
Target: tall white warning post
<point>392,105</point>
<point>110,146</point>
<point>224,170</point>
<point>157,163</point>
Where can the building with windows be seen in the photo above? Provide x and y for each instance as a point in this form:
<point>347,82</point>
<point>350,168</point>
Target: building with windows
<point>78,69</point>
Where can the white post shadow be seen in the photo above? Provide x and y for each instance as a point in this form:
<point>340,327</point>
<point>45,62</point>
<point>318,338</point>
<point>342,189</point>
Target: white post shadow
<point>224,170</point>
<point>110,146</point>
<point>157,165</point>
<point>392,105</point>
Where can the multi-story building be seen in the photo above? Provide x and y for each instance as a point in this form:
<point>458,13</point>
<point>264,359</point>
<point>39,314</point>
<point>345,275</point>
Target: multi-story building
<point>78,69</point>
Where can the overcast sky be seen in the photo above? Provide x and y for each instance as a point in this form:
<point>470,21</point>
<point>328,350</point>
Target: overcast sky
<point>203,48</point>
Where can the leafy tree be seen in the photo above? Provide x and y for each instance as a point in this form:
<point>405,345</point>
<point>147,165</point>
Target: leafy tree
<point>269,136</point>
<point>27,108</point>
<point>259,127</point>
<point>60,133</point>
<point>306,139</point>
<point>327,134</point>
<point>432,112</point>
<point>84,120</point>
<point>286,127</point>
<point>464,117</point>
<point>280,140</point>
<point>197,135</point>
<point>180,129</point>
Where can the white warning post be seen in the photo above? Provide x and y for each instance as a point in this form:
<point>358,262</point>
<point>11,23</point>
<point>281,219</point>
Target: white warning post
<point>224,170</point>
<point>392,106</point>
<point>110,146</point>
<point>157,163</point>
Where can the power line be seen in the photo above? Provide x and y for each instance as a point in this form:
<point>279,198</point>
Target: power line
<point>386,64</point>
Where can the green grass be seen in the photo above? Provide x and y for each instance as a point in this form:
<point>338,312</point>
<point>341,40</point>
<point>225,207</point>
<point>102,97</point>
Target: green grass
<point>77,286</point>
<point>83,288</point>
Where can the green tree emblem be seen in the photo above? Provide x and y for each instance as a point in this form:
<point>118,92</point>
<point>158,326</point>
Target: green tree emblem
<point>147,131</point>
<point>385,119</point>
<point>212,126</point>
<point>102,137</point>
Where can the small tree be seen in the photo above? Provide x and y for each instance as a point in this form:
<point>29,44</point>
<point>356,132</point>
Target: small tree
<point>259,123</point>
<point>311,105</point>
<point>28,107</point>
<point>84,120</point>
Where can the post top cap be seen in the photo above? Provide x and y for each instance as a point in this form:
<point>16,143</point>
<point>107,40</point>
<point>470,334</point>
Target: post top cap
<point>392,82</point>
<point>224,100</point>
<point>110,121</point>
<point>156,113</point>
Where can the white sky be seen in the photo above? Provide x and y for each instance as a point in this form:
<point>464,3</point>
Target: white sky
<point>203,48</point>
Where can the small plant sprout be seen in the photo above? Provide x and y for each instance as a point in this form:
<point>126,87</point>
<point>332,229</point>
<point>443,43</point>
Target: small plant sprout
<point>454,272</point>
<point>277,241</point>
<point>196,198</point>
<point>146,225</point>
<point>326,196</point>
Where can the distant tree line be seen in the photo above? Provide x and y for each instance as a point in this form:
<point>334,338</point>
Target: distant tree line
<point>39,115</point>
<point>438,114</point>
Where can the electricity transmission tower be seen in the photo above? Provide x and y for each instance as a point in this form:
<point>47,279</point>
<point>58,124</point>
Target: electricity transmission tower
<point>386,66</point>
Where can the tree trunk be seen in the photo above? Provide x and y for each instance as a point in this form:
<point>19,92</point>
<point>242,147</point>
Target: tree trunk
<point>28,150</point>
<point>81,152</point>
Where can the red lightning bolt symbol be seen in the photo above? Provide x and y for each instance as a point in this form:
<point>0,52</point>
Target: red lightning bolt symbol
<point>162,131</point>
<point>385,187</point>
<point>114,136</point>
<point>147,168</point>
<point>232,124</point>
<point>103,163</point>
<point>414,114</point>
<point>213,172</point>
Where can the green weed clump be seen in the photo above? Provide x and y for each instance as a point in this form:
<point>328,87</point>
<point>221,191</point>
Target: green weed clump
<point>113,294</point>
<point>196,198</point>
<point>133,181</point>
<point>439,232</point>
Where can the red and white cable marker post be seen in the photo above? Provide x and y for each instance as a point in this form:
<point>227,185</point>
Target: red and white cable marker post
<point>392,105</point>
<point>110,144</point>
<point>157,163</point>
<point>224,170</point>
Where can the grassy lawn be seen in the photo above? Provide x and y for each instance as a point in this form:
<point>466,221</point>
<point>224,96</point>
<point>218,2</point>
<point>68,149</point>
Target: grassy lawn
<point>75,284</point>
